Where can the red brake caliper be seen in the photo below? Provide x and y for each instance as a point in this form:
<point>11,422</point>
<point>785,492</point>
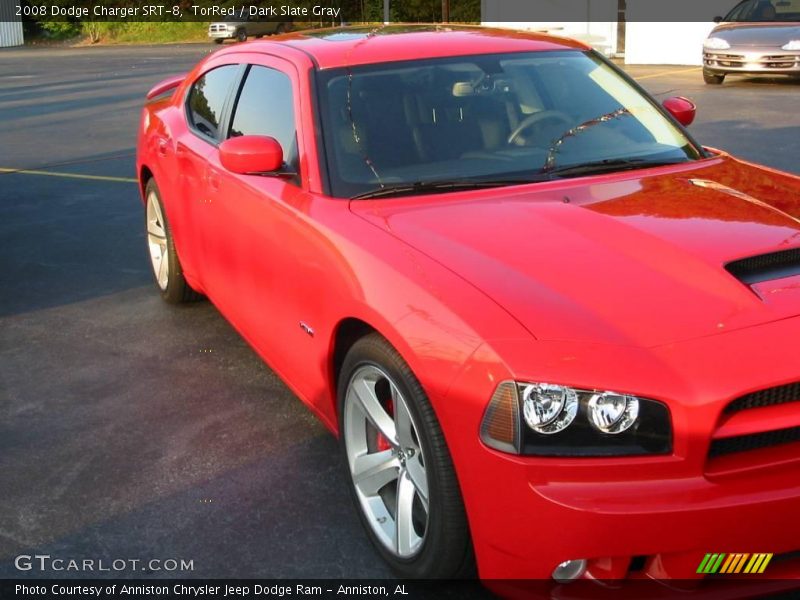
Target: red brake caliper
<point>382,443</point>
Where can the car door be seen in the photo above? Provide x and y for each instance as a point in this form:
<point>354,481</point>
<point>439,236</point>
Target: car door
<point>258,246</point>
<point>207,101</point>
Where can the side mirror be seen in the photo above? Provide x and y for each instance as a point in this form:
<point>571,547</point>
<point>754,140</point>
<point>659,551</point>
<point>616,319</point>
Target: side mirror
<point>717,19</point>
<point>683,109</point>
<point>251,154</point>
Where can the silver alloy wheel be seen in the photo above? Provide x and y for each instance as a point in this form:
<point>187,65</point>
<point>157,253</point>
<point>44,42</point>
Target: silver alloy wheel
<point>391,482</point>
<point>157,241</point>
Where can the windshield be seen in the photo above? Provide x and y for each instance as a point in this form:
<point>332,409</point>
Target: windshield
<point>504,117</point>
<point>753,11</point>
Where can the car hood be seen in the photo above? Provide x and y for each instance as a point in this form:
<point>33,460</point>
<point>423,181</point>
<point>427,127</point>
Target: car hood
<point>636,258</point>
<point>757,34</point>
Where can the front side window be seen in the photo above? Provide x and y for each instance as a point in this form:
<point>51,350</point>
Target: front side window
<point>266,107</point>
<point>207,99</point>
<point>522,116</point>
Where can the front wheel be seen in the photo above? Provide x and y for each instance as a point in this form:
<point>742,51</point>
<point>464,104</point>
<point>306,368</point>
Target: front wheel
<point>241,35</point>
<point>218,40</point>
<point>164,260</point>
<point>401,474</point>
<point>712,78</point>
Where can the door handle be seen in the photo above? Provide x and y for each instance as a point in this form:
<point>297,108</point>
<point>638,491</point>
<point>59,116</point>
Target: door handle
<point>213,179</point>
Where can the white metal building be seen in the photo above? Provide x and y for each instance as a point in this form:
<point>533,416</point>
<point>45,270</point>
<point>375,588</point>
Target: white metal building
<point>10,24</point>
<point>639,30</point>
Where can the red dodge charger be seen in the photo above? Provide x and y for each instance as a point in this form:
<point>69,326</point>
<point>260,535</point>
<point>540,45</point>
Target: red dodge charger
<point>554,334</point>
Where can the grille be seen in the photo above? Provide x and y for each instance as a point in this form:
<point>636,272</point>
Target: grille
<point>765,267</point>
<point>741,61</point>
<point>724,60</point>
<point>769,397</point>
<point>780,62</point>
<point>743,443</point>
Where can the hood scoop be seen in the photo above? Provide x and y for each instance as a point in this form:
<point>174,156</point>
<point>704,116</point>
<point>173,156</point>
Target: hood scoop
<point>766,267</point>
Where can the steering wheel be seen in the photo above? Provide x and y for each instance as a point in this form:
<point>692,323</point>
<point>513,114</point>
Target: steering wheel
<point>531,120</point>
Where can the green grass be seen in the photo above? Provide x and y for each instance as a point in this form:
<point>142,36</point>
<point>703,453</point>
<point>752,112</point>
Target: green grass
<point>144,33</point>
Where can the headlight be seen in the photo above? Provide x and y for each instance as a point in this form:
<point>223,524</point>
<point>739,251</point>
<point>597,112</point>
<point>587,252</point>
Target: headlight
<point>547,419</point>
<point>548,408</point>
<point>715,43</point>
<point>613,413</point>
<point>793,45</point>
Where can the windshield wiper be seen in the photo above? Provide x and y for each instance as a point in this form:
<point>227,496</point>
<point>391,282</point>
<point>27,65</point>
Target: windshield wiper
<point>610,165</point>
<point>443,186</point>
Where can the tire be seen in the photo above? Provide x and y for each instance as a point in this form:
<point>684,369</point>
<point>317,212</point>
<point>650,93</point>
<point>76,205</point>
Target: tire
<point>403,469</point>
<point>218,40</point>
<point>281,28</point>
<point>166,267</point>
<point>712,78</point>
<point>241,35</point>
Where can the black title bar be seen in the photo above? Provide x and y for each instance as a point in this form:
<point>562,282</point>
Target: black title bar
<point>361,11</point>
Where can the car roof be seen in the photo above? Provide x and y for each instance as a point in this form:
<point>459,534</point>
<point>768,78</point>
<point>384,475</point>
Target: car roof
<point>363,45</point>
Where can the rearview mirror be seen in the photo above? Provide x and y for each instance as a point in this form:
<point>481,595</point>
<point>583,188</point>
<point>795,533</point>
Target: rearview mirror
<point>682,109</point>
<point>251,155</point>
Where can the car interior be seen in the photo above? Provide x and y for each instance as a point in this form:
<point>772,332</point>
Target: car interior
<point>465,119</point>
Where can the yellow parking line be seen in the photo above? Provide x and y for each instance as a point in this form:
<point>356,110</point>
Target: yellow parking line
<point>68,175</point>
<point>663,73</point>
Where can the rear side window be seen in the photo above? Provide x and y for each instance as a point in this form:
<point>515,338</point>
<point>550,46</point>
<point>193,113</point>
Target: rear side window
<point>207,99</point>
<point>266,107</point>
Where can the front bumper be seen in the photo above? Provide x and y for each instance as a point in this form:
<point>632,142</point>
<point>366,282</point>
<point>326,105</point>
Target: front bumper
<point>752,60</point>
<point>633,517</point>
<point>639,526</point>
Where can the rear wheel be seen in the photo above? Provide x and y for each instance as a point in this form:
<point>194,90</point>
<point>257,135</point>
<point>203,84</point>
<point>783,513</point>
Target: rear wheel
<point>402,477</point>
<point>241,35</point>
<point>712,78</point>
<point>218,40</point>
<point>164,260</point>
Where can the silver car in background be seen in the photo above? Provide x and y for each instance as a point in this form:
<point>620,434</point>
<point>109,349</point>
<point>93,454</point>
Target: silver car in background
<point>757,36</point>
<point>240,30</point>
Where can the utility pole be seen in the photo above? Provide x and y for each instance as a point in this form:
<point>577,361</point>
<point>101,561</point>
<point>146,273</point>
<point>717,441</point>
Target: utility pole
<point>445,11</point>
<point>385,12</point>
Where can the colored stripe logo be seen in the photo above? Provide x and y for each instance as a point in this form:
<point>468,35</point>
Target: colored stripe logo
<point>734,563</point>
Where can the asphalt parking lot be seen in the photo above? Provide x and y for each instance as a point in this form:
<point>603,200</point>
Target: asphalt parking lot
<point>129,428</point>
